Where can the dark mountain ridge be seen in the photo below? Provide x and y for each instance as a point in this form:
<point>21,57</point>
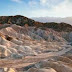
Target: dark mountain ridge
<point>22,20</point>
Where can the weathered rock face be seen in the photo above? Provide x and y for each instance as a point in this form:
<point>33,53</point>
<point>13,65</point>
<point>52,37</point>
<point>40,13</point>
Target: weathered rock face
<point>70,36</point>
<point>16,41</point>
<point>41,70</point>
<point>1,70</point>
<point>49,35</point>
<point>26,49</point>
<point>67,36</point>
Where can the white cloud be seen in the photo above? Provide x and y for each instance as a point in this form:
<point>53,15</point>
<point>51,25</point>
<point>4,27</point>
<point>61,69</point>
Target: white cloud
<point>50,2</point>
<point>32,3</point>
<point>43,1</point>
<point>18,1</point>
<point>64,9</point>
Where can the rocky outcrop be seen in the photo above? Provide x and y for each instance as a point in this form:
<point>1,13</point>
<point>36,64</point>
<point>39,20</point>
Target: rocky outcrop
<point>18,19</point>
<point>41,70</point>
<point>16,41</point>
<point>30,49</point>
<point>22,20</point>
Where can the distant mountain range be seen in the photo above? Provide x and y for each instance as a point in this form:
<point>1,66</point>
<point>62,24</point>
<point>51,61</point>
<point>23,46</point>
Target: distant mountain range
<point>53,19</point>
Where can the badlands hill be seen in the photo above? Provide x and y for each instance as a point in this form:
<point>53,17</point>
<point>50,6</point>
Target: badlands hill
<point>29,46</point>
<point>31,49</point>
<point>21,20</point>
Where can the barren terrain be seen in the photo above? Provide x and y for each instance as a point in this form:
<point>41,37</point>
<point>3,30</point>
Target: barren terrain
<point>27,49</point>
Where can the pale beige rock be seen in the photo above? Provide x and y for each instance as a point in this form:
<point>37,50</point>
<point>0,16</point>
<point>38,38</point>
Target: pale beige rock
<point>41,70</point>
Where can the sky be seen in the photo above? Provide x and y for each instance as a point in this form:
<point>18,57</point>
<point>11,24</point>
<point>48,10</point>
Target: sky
<point>36,8</point>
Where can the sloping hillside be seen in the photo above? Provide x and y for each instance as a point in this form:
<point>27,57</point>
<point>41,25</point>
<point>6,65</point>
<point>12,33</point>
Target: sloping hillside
<point>21,20</point>
<point>18,19</point>
<point>35,48</point>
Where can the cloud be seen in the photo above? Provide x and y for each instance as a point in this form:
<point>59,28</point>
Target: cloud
<point>18,1</point>
<point>52,8</point>
<point>43,2</point>
<point>32,3</point>
<point>50,2</point>
<point>64,9</point>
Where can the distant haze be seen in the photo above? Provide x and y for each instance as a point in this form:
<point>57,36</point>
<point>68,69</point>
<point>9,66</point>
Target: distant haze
<point>53,19</point>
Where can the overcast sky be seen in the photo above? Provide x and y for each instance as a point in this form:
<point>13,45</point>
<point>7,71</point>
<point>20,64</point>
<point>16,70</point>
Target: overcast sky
<point>36,8</point>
